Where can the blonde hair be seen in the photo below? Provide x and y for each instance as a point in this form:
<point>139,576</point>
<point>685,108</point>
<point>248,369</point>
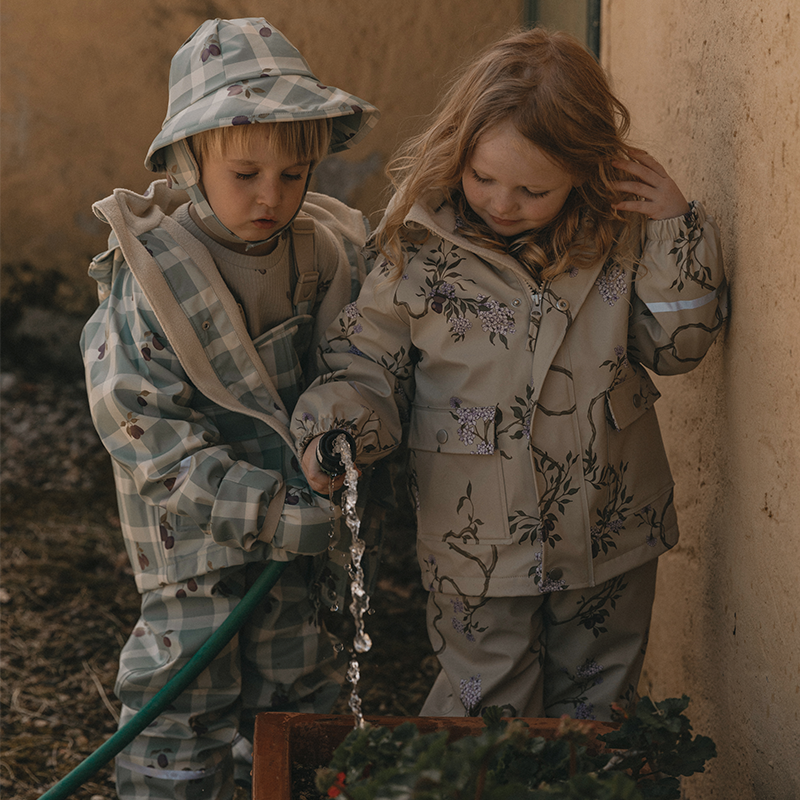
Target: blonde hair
<point>557,96</point>
<point>300,140</point>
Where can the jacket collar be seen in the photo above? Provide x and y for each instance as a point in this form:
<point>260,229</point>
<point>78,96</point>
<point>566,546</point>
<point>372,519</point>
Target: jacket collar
<point>561,298</point>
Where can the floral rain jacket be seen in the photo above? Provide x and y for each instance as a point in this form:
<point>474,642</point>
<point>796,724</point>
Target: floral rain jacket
<point>536,459</point>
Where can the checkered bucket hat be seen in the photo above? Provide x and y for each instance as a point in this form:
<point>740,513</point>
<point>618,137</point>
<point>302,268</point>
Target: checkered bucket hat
<point>244,71</point>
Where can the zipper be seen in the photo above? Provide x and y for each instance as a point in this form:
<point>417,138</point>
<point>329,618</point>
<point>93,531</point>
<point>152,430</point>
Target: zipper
<point>536,294</point>
<point>536,297</point>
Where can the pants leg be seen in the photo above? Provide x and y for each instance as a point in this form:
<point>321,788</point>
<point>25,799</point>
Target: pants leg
<point>186,752</point>
<point>287,657</point>
<point>596,641</point>
<point>572,652</point>
<point>490,652</point>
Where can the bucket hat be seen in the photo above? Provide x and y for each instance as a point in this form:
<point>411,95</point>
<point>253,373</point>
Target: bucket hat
<point>243,72</point>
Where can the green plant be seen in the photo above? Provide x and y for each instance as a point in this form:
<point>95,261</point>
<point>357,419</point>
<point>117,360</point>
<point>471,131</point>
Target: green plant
<point>644,758</point>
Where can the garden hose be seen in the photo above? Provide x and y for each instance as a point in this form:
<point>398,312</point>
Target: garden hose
<point>198,662</point>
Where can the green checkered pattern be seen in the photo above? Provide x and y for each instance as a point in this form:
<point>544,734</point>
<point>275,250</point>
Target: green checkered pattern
<point>280,660</point>
<point>243,71</point>
<point>194,479</point>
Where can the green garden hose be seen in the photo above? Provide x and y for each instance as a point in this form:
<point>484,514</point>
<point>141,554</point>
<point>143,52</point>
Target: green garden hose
<point>198,662</point>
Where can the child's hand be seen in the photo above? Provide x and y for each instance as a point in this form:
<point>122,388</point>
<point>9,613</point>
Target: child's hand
<point>659,196</point>
<point>318,480</point>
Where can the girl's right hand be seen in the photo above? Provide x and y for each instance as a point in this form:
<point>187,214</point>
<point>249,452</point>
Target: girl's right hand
<point>657,195</point>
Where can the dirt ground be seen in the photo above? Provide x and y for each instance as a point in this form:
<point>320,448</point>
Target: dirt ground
<point>68,602</point>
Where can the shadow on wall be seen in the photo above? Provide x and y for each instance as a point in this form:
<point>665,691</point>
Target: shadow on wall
<point>340,179</point>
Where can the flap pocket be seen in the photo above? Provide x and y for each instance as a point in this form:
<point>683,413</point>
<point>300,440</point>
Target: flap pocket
<point>627,401</point>
<point>460,429</point>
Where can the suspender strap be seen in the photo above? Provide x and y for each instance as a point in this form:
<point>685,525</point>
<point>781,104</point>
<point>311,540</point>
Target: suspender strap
<point>305,293</point>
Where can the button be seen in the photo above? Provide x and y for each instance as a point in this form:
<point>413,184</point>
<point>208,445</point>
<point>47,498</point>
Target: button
<point>555,574</point>
<point>515,301</point>
<point>637,400</point>
<point>441,436</point>
<point>562,305</point>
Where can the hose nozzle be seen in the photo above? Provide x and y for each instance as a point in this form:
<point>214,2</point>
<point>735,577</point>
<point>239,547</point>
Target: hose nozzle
<point>330,462</point>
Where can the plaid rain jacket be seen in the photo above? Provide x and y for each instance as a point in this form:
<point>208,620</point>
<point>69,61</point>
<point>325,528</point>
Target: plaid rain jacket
<point>196,422</point>
<point>193,412</point>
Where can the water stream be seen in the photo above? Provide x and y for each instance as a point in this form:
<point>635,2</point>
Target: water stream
<point>359,603</point>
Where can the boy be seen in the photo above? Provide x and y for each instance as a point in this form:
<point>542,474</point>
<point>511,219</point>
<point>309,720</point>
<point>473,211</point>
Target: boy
<point>194,359</point>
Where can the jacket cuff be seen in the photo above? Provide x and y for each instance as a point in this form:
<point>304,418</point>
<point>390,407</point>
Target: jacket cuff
<point>667,230</point>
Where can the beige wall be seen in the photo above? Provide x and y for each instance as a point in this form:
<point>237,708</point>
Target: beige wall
<point>714,92</point>
<point>84,91</point>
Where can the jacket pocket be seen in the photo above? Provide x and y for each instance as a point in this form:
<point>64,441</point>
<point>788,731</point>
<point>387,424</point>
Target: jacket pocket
<point>283,350</point>
<point>457,476</point>
<point>627,401</point>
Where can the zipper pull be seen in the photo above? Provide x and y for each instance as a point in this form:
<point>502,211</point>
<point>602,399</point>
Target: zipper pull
<point>536,311</point>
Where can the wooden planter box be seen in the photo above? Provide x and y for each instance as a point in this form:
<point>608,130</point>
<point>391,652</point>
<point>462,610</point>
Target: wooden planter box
<point>283,739</point>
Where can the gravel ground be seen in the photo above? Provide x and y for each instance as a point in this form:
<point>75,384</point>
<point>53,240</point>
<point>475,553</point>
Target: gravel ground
<point>68,603</point>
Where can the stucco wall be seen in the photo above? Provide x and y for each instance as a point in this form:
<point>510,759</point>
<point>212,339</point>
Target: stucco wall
<point>713,89</point>
<point>84,91</point>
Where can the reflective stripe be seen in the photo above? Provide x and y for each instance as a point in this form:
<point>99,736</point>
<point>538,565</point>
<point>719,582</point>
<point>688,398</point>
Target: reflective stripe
<point>683,305</point>
<point>166,774</point>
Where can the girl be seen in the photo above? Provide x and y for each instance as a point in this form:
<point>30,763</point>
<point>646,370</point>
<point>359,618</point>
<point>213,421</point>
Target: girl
<point>534,268</point>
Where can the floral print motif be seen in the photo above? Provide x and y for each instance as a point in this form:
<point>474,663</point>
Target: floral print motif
<point>546,583</point>
<point>590,669</point>
<point>131,428</point>
<point>690,268</point>
<point>653,523</point>
<point>469,420</point>
<point>352,314</point>
<point>145,350</point>
<point>459,326</point>
<point>211,49</point>
<point>469,533</point>
<point>447,293</point>
<point>470,694</point>
<point>496,318</point>
<point>245,89</point>
<point>612,284</point>
<point>461,623</point>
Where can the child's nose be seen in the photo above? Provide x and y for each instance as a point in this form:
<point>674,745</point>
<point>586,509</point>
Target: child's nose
<point>503,203</point>
<point>270,193</point>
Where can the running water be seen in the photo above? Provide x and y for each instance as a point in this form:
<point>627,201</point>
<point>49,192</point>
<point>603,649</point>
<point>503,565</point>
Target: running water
<point>359,603</point>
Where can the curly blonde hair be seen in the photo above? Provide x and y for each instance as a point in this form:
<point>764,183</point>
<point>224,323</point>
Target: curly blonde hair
<point>557,96</point>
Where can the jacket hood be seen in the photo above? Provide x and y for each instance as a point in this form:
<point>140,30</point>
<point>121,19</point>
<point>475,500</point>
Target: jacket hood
<point>244,71</point>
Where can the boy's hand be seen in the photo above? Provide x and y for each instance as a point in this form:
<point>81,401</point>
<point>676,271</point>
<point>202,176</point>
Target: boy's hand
<point>318,480</point>
<point>658,196</point>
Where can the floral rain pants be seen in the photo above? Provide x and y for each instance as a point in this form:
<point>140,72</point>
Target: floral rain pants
<point>281,659</point>
<point>569,652</point>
